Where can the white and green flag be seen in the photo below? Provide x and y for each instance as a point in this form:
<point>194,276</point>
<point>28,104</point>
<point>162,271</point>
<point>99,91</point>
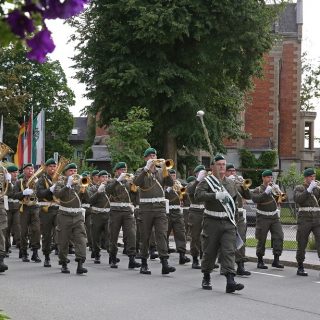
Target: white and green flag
<point>38,126</point>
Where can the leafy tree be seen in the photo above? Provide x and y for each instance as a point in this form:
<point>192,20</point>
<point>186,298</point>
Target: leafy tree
<point>310,86</point>
<point>128,137</point>
<point>25,84</point>
<point>291,178</point>
<point>174,58</point>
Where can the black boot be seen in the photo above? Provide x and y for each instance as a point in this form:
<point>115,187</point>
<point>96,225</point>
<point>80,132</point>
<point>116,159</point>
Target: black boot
<point>3,266</point>
<point>71,250</point>
<point>47,263</point>
<point>261,264</point>
<point>232,286</point>
<point>166,268</point>
<point>144,267</point>
<point>182,258</point>
<point>117,260</point>
<point>113,262</point>
<point>24,256</point>
<point>132,263</point>
<point>171,250</point>
<point>80,268</point>
<point>206,281</point>
<point>97,259</point>
<point>195,263</point>
<point>153,254</point>
<point>92,255</point>
<point>276,263</point>
<point>64,268</point>
<point>35,256</point>
<point>300,271</point>
<point>20,253</point>
<point>241,270</point>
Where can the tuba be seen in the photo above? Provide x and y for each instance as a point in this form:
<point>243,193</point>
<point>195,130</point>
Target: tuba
<point>4,150</point>
<point>61,165</point>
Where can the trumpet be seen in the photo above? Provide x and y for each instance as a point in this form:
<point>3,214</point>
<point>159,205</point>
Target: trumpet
<point>244,183</point>
<point>129,176</point>
<point>169,163</point>
<point>83,182</point>
<point>179,189</point>
<point>278,194</point>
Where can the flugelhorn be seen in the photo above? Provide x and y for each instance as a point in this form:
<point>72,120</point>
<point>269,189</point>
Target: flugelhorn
<point>278,194</point>
<point>245,183</point>
<point>83,182</point>
<point>169,163</point>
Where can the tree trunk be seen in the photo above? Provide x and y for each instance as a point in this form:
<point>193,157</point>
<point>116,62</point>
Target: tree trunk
<point>170,148</point>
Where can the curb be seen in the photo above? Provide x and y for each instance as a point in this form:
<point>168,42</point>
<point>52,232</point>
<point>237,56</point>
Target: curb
<point>286,263</point>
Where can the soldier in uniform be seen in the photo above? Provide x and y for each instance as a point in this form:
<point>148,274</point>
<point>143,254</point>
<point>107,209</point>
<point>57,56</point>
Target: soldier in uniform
<point>241,223</point>
<point>307,197</point>
<point>175,217</point>
<point>70,218</point>
<point>152,208</point>
<point>219,227</point>
<point>268,219</point>
<point>3,226</point>
<point>13,212</point>
<point>29,215</point>
<point>121,215</point>
<point>195,216</point>
<point>185,202</point>
<point>100,208</point>
<point>48,208</point>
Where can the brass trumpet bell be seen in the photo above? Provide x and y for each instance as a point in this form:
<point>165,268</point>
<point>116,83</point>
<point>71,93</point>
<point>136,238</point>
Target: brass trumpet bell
<point>159,162</point>
<point>83,182</point>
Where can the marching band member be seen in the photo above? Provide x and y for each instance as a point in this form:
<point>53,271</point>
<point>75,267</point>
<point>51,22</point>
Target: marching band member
<point>268,219</point>
<point>70,218</point>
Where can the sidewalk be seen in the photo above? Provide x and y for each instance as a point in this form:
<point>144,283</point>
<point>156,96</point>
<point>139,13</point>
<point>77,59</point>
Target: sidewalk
<point>288,258</point>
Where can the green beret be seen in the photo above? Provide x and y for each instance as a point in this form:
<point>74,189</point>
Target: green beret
<point>172,171</point>
<point>150,151</point>
<point>308,172</point>
<point>119,165</point>
<point>84,174</point>
<point>199,168</point>
<point>94,173</point>
<point>230,166</point>
<point>27,165</point>
<point>219,157</point>
<point>103,173</point>
<point>12,168</point>
<point>70,166</point>
<point>50,161</point>
<point>267,173</point>
<point>191,178</point>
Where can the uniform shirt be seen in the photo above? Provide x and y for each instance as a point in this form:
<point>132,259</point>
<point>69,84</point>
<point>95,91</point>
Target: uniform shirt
<point>265,202</point>
<point>42,188</point>
<point>119,192</point>
<point>303,198</point>
<point>98,199</point>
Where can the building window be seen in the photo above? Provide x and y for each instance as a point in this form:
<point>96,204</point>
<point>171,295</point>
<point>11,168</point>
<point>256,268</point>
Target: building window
<point>74,131</point>
<point>79,154</point>
<point>205,161</point>
<point>308,135</point>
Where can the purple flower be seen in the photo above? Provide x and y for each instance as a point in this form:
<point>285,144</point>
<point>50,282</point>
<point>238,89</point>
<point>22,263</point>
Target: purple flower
<point>40,45</point>
<point>19,23</point>
<point>52,9</point>
<point>55,9</point>
<point>72,8</point>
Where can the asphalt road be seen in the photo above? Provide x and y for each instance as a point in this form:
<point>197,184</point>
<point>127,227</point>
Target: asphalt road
<point>28,291</point>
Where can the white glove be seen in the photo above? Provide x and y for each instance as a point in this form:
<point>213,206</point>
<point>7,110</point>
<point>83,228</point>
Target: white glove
<point>122,177</point>
<point>101,188</point>
<point>268,190</point>
<point>27,192</point>
<point>52,187</point>
<point>221,195</point>
<point>232,177</point>
<point>69,182</point>
<point>169,189</point>
<point>8,177</point>
<point>201,175</point>
<point>312,185</point>
<point>149,164</point>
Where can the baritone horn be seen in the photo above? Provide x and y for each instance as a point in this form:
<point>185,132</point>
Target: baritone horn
<point>159,162</point>
<point>4,150</point>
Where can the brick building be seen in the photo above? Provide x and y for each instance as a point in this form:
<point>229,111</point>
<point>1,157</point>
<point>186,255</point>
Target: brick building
<point>273,118</point>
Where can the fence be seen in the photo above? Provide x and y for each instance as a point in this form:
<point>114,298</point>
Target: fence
<point>288,218</point>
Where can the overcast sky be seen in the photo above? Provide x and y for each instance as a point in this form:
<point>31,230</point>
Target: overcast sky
<point>63,51</point>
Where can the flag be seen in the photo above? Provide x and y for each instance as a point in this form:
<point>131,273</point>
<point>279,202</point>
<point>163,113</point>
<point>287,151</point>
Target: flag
<point>18,157</point>
<point>1,129</point>
<point>27,142</point>
<point>38,139</point>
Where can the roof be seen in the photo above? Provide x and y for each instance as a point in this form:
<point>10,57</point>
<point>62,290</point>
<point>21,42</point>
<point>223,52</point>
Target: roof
<point>287,22</point>
<point>79,130</point>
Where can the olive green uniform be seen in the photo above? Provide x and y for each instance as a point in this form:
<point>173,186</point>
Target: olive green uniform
<point>13,216</point>
<point>185,210</point>
<point>100,208</point>
<point>176,221</point>
<point>70,221</point>
<point>48,211</point>
<point>308,219</point>
<point>3,226</point>
<point>218,232</point>
<point>267,220</point>
<point>29,218</point>
<point>152,208</point>
<point>195,219</point>
<point>121,215</point>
